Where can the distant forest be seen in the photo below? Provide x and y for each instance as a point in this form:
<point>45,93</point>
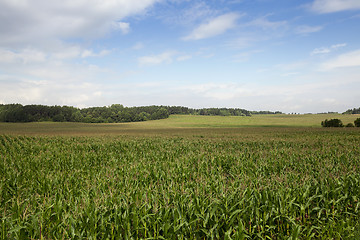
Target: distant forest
<point>115,113</point>
<point>352,111</point>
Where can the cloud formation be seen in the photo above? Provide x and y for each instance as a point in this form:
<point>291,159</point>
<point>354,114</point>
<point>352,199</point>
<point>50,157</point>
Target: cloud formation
<point>24,56</point>
<point>264,23</point>
<point>305,29</point>
<point>124,27</point>
<point>350,59</point>
<point>325,50</point>
<point>24,22</point>
<point>214,27</point>
<point>165,57</point>
<point>330,6</point>
<point>197,11</point>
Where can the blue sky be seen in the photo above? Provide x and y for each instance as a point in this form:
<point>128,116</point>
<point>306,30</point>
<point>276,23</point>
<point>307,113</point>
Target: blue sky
<point>292,56</point>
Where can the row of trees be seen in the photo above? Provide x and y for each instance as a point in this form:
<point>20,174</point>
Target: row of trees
<point>352,111</point>
<point>223,112</point>
<point>266,112</point>
<point>338,123</point>
<point>112,114</point>
<point>216,111</point>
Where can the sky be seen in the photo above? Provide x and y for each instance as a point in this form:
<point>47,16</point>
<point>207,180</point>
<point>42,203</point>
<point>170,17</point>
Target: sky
<point>292,56</point>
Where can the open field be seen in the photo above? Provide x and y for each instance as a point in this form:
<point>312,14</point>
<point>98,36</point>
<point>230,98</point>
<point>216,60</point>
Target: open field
<point>175,123</point>
<point>205,178</point>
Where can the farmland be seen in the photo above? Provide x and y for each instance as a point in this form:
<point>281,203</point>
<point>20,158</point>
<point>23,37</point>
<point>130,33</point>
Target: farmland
<point>186,177</point>
<point>173,125</point>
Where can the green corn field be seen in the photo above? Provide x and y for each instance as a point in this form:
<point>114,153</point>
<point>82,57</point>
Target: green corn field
<point>235,184</point>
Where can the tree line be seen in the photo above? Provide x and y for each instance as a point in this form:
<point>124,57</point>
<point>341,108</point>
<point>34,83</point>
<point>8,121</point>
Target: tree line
<point>216,111</point>
<point>115,113</point>
<point>352,111</point>
<point>112,114</point>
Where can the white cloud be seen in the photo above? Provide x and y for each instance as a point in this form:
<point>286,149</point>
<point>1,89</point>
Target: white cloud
<point>325,50</point>
<point>66,52</point>
<point>42,67</point>
<point>34,44</point>
<point>38,21</point>
<point>264,23</point>
<point>305,29</point>
<point>214,27</point>
<point>320,51</point>
<point>123,26</point>
<point>32,55</point>
<point>165,57</point>
<point>350,59</point>
<point>336,46</point>
<point>26,55</point>
<point>63,86</point>
<point>329,6</point>
<point>195,11</point>
<point>89,53</point>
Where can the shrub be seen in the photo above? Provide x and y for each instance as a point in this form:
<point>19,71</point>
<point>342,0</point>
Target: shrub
<point>332,123</point>
<point>357,122</point>
<point>349,125</point>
